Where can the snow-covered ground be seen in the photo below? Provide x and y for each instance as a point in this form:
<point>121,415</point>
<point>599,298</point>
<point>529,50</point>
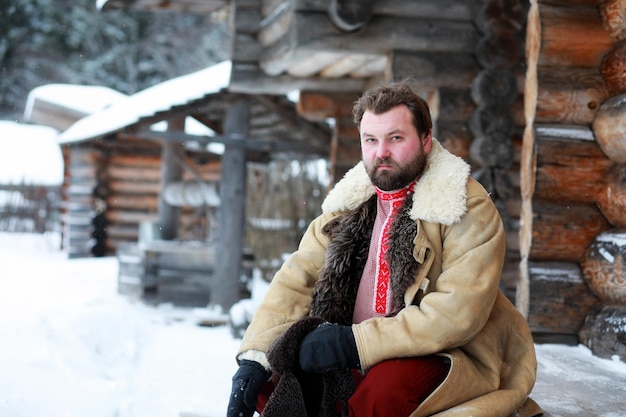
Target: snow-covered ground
<point>71,346</point>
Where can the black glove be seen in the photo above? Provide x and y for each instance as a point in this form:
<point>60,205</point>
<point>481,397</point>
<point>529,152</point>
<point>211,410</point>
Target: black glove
<point>247,384</point>
<point>329,347</point>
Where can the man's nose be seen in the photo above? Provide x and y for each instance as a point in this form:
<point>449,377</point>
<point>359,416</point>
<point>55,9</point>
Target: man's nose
<point>382,151</point>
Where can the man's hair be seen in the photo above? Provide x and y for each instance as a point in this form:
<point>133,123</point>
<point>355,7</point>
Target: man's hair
<point>385,97</point>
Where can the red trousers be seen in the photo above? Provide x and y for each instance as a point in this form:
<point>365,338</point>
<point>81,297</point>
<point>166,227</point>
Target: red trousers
<point>393,388</point>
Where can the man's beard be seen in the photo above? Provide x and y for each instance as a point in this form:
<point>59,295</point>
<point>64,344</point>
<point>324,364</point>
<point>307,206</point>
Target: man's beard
<point>400,177</point>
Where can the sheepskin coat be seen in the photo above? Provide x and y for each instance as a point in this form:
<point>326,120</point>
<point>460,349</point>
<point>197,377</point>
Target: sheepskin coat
<point>445,291</point>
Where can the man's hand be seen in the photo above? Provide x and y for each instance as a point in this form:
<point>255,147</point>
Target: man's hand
<point>329,347</point>
<point>247,384</point>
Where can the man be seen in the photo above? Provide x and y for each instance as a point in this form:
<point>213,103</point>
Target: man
<point>403,266</point>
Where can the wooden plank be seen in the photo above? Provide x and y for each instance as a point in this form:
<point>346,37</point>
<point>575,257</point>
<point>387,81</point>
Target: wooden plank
<point>568,168</point>
<point>562,231</point>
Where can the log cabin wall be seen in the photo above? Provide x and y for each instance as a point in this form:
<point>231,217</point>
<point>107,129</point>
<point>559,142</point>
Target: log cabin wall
<point>112,186</point>
<point>563,167</point>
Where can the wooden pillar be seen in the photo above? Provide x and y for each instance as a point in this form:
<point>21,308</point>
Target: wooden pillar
<point>226,283</point>
<point>172,155</point>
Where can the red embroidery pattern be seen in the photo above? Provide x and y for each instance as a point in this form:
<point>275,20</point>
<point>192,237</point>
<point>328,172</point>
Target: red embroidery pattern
<point>382,277</point>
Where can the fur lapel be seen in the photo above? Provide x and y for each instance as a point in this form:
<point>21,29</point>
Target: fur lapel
<point>440,194</point>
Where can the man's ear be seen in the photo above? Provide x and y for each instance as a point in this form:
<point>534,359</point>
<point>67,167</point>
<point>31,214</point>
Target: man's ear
<point>427,141</point>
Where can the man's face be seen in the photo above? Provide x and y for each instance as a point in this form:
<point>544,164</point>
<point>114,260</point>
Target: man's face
<point>393,152</point>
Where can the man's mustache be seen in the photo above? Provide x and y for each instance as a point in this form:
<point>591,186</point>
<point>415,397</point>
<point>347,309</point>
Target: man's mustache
<point>384,161</point>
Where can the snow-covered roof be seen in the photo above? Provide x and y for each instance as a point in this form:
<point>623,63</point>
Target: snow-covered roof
<point>29,154</point>
<point>82,99</point>
<point>161,97</point>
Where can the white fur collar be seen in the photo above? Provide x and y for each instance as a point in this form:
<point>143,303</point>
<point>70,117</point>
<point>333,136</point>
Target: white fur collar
<point>440,194</point>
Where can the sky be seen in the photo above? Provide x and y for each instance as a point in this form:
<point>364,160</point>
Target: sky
<point>73,346</point>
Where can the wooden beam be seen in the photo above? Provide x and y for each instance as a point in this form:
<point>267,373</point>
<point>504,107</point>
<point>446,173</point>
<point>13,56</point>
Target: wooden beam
<point>313,32</point>
<point>171,171</point>
<point>225,289</point>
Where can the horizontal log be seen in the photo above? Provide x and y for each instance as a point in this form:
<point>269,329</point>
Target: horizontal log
<point>135,187</point>
<point>562,231</point>
<point>134,202</point>
<point>559,299</point>
<point>572,36</point>
<point>435,9</point>
<point>130,217</point>
<point>129,173</point>
<point>434,70</point>
<point>569,95</point>
<point>121,159</point>
<point>313,32</point>
<point>568,167</point>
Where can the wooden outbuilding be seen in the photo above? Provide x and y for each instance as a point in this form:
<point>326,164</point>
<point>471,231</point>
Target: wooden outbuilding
<point>128,181</point>
<point>531,93</point>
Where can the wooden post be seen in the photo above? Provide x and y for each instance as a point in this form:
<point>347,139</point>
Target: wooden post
<point>172,154</point>
<point>226,283</point>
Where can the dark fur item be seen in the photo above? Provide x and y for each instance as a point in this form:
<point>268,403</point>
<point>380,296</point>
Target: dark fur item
<point>287,398</point>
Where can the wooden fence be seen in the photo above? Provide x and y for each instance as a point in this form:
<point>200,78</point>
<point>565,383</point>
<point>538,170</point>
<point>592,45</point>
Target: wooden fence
<point>28,208</point>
